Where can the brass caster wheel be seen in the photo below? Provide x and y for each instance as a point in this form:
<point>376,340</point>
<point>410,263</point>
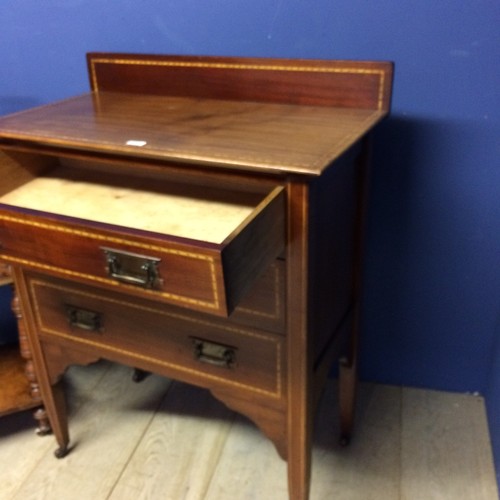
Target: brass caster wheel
<point>43,431</point>
<point>61,452</point>
<point>344,441</point>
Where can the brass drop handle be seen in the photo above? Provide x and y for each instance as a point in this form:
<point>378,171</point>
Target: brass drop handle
<point>131,268</point>
<point>83,319</point>
<point>214,354</point>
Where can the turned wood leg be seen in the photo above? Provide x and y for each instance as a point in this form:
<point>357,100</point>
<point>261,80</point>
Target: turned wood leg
<point>40,414</point>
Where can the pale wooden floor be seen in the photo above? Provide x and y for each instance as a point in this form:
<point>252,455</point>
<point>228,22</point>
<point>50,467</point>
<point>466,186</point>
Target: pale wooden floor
<point>162,440</point>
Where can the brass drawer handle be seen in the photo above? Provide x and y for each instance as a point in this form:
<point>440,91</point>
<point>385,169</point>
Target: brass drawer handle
<point>84,319</point>
<point>131,268</point>
<point>214,354</point>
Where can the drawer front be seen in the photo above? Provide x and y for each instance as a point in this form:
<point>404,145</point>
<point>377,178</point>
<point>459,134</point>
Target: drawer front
<point>184,276</point>
<point>186,347</point>
<point>208,277</point>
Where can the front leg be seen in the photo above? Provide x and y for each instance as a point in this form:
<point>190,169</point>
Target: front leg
<point>61,424</point>
<point>42,387</point>
<point>40,414</point>
<point>299,346</point>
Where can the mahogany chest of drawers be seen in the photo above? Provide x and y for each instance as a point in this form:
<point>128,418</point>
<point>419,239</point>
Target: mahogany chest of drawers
<point>200,218</point>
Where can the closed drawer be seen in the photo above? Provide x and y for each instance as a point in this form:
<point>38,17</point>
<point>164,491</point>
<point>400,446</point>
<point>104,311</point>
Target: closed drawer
<point>188,244</point>
<point>188,347</point>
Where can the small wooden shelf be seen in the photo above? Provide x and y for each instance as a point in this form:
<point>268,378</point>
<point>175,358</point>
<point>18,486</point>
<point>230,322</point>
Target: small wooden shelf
<point>14,386</point>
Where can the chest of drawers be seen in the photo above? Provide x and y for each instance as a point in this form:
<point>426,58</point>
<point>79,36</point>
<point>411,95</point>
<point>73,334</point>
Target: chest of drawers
<point>199,218</point>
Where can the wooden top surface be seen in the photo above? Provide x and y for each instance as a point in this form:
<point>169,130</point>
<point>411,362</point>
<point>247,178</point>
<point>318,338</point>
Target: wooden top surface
<point>254,136</point>
<point>278,116</point>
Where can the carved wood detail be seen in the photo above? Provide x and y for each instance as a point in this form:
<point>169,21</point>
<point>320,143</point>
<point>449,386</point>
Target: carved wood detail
<point>59,359</point>
<point>25,350</point>
<point>268,420</point>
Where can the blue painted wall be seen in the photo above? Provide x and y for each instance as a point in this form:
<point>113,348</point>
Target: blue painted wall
<point>8,327</point>
<point>432,300</point>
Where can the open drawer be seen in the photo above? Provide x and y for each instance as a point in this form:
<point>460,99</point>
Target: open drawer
<point>198,244</point>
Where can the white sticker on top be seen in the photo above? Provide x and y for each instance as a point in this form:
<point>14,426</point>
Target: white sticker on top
<point>138,144</point>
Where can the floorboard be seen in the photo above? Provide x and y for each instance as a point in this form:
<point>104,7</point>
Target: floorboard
<point>21,451</point>
<point>369,468</point>
<point>162,440</point>
<point>445,447</point>
<point>177,455</point>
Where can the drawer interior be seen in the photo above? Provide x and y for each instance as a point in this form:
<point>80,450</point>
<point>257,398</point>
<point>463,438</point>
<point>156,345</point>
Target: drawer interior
<point>128,198</point>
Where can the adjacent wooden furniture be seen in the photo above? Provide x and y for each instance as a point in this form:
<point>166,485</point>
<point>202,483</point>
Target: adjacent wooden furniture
<point>18,385</point>
<point>200,218</point>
